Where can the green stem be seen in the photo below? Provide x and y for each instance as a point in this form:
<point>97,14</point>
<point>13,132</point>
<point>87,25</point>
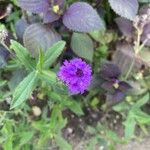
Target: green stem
<point>137,48</point>
<point>130,69</point>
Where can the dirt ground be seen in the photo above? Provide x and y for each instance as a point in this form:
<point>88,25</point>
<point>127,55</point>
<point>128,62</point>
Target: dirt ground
<point>136,145</point>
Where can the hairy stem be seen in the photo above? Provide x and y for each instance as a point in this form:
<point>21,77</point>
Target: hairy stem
<point>137,49</point>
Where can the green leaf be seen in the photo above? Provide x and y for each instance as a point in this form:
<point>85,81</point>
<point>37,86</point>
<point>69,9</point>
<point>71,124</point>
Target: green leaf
<point>121,107</point>
<point>24,89</point>
<point>142,101</point>
<point>7,131</point>
<point>53,52</point>
<point>40,61</point>
<point>2,83</point>
<point>64,145</point>
<point>144,1</point>
<point>142,117</point>
<point>76,108</point>
<point>49,76</point>
<point>25,137</point>
<point>129,126</point>
<point>22,54</point>
<point>92,143</point>
<point>82,45</point>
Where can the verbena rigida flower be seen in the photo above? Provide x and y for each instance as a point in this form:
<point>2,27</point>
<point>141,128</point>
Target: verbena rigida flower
<point>116,89</point>
<point>76,74</point>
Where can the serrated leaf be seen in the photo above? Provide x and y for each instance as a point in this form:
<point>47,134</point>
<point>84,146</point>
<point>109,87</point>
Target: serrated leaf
<point>48,76</point>
<point>129,126</point>
<point>40,63</point>
<point>142,117</point>
<point>64,145</point>
<point>82,45</point>
<point>25,137</point>
<point>125,8</point>
<point>142,101</point>
<point>81,17</point>
<point>22,54</point>
<point>76,108</point>
<point>24,89</point>
<point>39,36</point>
<point>53,53</point>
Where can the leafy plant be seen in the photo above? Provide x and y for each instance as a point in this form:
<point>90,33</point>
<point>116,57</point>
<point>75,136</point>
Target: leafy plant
<point>135,115</point>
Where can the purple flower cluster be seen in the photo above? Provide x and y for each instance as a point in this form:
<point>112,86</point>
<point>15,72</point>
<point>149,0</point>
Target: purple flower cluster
<point>76,74</point>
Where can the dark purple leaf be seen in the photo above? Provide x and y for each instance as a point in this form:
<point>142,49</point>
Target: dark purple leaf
<point>110,71</point>
<point>81,17</point>
<point>50,16</point>
<point>125,26</point>
<point>124,86</point>
<point>38,36</point>
<point>144,9</point>
<point>21,26</point>
<point>115,98</point>
<point>146,34</point>
<point>123,58</point>
<point>35,6</point>
<point>108,86</point>
<point>4,54</point>
<point>125,8</point>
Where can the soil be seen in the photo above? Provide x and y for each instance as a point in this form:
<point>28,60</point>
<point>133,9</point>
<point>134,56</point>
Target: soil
<point>143,144</point>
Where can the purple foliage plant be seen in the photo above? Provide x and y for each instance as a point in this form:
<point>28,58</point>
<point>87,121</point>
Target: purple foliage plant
<point>80,16</point>
<point>116,89</point>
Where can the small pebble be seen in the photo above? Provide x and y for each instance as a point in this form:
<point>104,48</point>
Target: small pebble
<point>36,111</point>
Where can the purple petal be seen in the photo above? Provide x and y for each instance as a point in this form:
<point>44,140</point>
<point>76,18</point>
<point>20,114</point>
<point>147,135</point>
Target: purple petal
<point>49,17</point>
<point>35,6</point>
<point>82,17</point>
<point>110,71</point>
<point>124,87</point>
<point>125,26</point>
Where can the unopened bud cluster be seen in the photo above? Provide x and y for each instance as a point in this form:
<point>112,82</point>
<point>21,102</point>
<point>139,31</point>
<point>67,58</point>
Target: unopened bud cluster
<point>141,20</point>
